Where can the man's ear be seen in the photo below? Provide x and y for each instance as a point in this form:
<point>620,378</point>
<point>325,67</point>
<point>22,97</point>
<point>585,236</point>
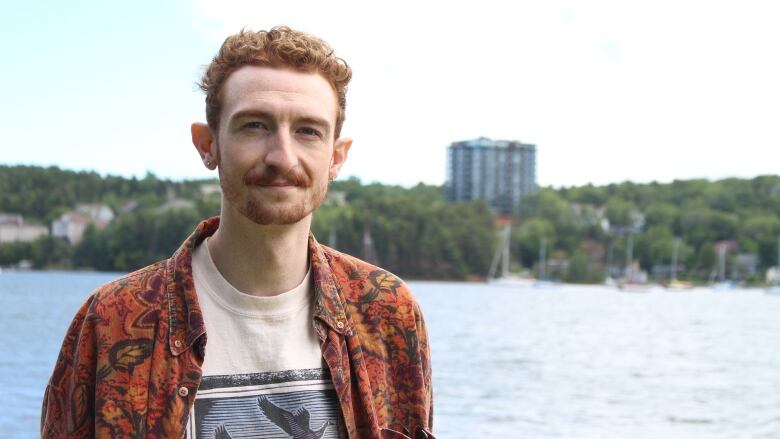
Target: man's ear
<point>204,142</point>
<point>340,152</point>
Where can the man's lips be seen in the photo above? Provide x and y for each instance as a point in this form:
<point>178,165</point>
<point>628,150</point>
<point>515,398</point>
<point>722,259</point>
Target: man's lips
<point>276,184</point>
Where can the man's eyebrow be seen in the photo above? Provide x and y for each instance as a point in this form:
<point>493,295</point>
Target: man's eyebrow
<point>243,114</point>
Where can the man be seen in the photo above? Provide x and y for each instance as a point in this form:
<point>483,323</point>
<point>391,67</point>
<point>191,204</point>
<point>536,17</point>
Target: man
<point>252,327</point>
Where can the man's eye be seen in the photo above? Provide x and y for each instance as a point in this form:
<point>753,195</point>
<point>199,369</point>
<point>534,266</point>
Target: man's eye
<point>309,132</point>
<point>254,125</point>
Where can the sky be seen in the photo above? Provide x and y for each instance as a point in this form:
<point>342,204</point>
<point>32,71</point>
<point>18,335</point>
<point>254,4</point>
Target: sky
<point>608,91</point>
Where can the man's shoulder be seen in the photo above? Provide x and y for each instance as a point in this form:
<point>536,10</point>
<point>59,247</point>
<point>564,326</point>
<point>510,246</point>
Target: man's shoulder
<point>363,283</point>
<point>137,290</point>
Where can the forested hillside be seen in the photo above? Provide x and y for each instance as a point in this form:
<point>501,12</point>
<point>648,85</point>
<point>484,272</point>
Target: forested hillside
<point>414,232</point>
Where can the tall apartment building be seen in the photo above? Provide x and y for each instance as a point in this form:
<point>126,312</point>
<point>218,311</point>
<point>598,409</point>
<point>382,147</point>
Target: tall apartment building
<point>501,172</point>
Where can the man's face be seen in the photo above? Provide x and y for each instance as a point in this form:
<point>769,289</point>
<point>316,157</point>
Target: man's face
<point>275,146</point>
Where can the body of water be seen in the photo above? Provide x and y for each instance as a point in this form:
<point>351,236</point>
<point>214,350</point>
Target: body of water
<point>511,362</point>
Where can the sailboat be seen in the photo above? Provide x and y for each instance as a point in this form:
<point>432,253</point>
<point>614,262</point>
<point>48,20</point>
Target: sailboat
<point>775,289</point>
<point>369,251</point>
<point>332,238</point>
<point>634,279</point>
<point>674,284</point>
<point>722,284</point>
<point>610,281</point>
<point>541,280</point>
<point>505,278</point>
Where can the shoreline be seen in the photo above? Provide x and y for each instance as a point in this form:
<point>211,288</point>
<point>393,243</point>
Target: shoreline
<point>470,280</point>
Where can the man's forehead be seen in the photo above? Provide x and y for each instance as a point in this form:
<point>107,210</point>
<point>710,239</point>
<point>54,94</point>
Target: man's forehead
<point>260,86</point>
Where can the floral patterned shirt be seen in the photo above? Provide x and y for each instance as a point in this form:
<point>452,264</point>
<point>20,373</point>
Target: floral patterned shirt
<point>130,364</point>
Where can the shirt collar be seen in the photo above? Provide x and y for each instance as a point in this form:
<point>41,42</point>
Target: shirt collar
<point>185,318</point>
<point>328,298</point>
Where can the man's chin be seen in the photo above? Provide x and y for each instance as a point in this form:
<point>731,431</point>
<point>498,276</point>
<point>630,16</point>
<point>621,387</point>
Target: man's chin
<point>277,217</point>
<point>268,210</point>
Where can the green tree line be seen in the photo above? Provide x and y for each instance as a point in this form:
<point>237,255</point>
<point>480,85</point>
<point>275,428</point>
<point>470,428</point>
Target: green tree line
<point>699,213</point>
<point>414,232</point>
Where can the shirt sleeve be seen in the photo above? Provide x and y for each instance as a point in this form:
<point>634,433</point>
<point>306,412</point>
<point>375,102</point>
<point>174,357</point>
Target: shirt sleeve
<point>67,409</point>
<point>425,358</point>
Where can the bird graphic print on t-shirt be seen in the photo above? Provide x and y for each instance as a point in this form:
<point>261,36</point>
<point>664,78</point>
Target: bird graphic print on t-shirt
<point>296,425</point>
<point>297,404</point>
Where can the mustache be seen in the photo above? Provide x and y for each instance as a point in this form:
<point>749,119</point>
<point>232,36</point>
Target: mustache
<point>273,175</point>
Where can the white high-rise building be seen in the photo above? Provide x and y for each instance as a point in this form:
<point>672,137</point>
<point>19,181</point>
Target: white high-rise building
<point>501,172</point>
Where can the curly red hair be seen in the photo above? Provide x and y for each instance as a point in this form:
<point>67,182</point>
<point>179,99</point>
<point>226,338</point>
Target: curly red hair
<point>278,47</point>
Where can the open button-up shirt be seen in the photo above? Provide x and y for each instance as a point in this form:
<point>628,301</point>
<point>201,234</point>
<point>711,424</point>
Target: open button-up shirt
<point>130,364</point>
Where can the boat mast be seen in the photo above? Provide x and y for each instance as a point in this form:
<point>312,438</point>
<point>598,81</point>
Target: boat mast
<point>722,263</point>
<point>629,254</point>
<point>501,254</point>
<point>332,237</point>
<point>777,266</point>
<point>505,256</point>
<point>542,258</point>
<point>369,251</point>
<point>674,259</point>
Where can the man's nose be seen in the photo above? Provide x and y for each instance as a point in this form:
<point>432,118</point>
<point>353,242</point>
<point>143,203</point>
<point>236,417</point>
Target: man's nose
<point>281,152</point>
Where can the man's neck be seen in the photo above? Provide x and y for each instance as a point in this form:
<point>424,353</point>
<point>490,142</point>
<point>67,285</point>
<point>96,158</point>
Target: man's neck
<point>257,259</point>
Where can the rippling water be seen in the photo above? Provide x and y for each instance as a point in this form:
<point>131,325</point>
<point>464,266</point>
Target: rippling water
<point>564,362</point>
<point>587,362</point>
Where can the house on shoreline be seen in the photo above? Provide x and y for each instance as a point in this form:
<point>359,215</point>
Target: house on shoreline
<point>13,229</point>
<point>71,226</point>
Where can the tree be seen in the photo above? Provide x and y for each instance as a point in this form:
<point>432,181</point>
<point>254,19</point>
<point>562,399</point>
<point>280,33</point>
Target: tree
<point>578,268</point>
<point>662,214</point>
<point>528,237</point>
<point>759,233</point>
<point>620,212</point>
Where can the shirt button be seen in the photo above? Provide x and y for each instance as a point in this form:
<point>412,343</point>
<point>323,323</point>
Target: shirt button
<point>177,343</point>
<point>183,391</point>
<point>340,324</point>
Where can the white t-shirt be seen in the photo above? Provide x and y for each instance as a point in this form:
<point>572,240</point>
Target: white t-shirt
<point>263,370</point>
